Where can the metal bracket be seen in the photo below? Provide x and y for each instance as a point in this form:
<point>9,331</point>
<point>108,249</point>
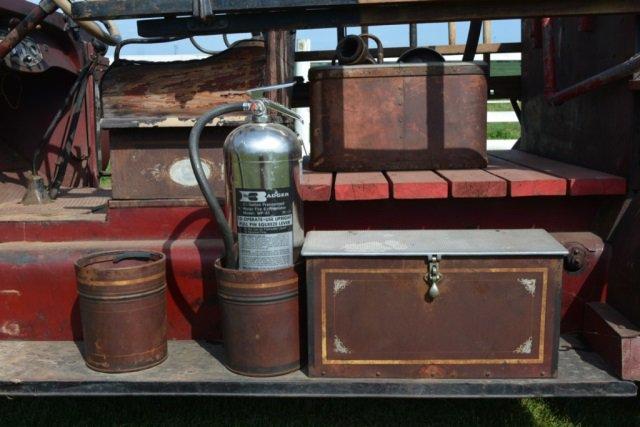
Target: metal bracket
<point>202,9</point>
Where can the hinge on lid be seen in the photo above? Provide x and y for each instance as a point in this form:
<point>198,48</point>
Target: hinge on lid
<point>433,277</point>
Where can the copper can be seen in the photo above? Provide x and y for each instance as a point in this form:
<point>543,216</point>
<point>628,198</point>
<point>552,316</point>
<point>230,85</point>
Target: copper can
<point>260,320</point>
<point>122,297</point>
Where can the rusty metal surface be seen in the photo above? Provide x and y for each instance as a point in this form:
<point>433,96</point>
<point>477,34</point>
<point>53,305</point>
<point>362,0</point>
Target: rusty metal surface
<point>398,117</point>
<point>28,371</point>
<point>584,276</point>
<point>494,318</point>
<point>123,310</point>
<point>153,163</point>
<point>24,27</point>
<point>194,367</point>
<point>260,320</point>
<point>354,50</point>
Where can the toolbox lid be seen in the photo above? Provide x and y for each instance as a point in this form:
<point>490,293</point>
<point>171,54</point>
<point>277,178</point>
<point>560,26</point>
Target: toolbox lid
<point>432,242</point>
<point>397,70</point>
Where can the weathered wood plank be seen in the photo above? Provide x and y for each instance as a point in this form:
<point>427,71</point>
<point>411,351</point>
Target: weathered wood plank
<point>316,186</point>
<point>581,181</point>
<point>183,89</point>
<point>361,186</point>
<point>474,183</point>
<point>524,182</point>
<point>418,185</point>
<point>614,338</point>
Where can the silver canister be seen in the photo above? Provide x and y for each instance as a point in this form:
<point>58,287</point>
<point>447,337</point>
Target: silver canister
<point>263,168</point>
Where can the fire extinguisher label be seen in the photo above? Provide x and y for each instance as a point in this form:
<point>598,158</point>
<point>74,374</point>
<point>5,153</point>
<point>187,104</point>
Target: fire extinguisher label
<point>264,220</point>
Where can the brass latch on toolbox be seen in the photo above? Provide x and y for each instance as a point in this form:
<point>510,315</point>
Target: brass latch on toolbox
<point>433,277</point>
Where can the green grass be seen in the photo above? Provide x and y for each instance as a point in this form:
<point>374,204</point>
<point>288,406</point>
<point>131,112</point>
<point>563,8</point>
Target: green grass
<point>105,180</point>
<point>506,68</point>
<point>194,411</point>
<point>503,130</point>
<point>499,106</point>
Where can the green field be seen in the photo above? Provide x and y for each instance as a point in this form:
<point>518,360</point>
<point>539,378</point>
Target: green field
<point>503,130</point>
<point>196,411</point>
<point>499,106</point>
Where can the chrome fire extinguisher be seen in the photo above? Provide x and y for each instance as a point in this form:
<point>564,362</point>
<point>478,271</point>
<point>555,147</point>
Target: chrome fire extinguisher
<point>263,166</point>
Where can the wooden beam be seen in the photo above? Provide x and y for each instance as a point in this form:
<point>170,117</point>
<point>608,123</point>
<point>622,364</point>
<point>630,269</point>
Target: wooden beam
<point>361,186</point>
<point>581,181</point>
<point>474,183</point>
<point>453,33</point>
<point>614,338</point>
<point>316,186</point>
<point>487,33</point>
<point>525,182</point>
<point>363,12</point>
<point>418,185</point>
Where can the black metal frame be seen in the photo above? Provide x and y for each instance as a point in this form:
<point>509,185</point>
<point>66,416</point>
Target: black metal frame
<point>367,13</point>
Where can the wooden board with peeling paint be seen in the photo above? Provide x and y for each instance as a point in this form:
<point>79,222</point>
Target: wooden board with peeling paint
<point>184,89</point>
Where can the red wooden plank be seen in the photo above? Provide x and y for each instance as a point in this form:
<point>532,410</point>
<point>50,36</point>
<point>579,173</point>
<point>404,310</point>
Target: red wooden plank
<point>474,183</point>
<point>582,181</point>
<point>361,186</point>
<point>418,185</point>
<point>614,338</point>
<point>316,186</point>
<point>524,182</point>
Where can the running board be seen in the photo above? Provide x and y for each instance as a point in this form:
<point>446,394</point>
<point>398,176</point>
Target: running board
<point>45,368</point>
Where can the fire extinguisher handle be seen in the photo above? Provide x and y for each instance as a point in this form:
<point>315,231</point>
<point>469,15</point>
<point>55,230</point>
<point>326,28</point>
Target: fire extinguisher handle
<point>271,105</point>
<point>259,92</point>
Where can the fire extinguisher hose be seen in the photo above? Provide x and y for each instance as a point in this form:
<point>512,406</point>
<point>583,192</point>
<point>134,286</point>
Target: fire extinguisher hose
<point>230,260</point>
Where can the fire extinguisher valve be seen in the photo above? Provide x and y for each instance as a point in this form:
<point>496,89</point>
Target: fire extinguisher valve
<point>259,105</point>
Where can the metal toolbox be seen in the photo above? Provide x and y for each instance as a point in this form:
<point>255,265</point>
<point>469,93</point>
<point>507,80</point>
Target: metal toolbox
<point>399,117</point>
<point>153,162</point>
<point>433,304</point>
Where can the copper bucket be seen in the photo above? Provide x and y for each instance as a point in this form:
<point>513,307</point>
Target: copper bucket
<point>123,310</point>
<point>260,320</point>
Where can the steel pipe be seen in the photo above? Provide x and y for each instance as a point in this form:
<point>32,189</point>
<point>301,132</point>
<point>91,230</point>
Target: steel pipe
<point>28,24</point>
<point>110,37</point>
<point>555,97</point>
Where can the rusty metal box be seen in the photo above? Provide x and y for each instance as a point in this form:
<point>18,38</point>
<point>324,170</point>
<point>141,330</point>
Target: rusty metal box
<point>399,117</point>
<point>150,160</point>
<point>373,312</point>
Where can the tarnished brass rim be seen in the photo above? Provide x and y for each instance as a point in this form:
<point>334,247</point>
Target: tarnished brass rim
<point>122,282</point>
<point>267,285</point>
<point>255,300</point>
<point>84,263</point>
<point>124,296</point>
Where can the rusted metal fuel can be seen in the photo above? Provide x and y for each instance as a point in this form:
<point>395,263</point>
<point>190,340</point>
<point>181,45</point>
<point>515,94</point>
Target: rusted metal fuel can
<point>260,319</point>
<point>122,299</point>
